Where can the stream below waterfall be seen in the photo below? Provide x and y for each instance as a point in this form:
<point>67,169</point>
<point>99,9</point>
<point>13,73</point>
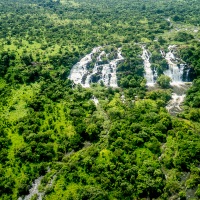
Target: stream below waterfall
<point>34,190</point>
<point>174,105</point>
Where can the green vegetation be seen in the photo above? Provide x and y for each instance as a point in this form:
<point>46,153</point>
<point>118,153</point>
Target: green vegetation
<point>183,37</point>
<point>118,149</point>
<point>164,81</point>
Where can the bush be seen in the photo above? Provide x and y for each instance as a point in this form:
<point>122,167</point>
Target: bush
<point>164,81</point>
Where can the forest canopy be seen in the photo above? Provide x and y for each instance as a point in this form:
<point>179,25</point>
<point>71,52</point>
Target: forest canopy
<point>126,146</point>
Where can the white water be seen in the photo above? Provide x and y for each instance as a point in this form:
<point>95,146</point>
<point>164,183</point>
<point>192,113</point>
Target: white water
<point>162,53</point>
<point>106,72</point>
<point>80,69</point>
<point>174,104</point>
<point>95,100</point>
<point>175,72</point>
<point>123,99</point>
<point>149,75</point>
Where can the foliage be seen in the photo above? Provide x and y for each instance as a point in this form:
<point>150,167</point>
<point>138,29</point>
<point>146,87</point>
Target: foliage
<point>164,81</point>
<point>127,146</point>
<point>182,37</point>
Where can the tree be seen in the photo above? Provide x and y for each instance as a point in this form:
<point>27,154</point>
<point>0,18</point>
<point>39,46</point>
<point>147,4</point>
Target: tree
<point>161,40</point>
<point>182,37</point>
<point>92,131</point>
<point>27,59</point>
<point>164,81</point>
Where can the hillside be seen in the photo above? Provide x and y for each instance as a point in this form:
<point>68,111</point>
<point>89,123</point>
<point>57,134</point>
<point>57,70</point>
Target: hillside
<point>99,99</point>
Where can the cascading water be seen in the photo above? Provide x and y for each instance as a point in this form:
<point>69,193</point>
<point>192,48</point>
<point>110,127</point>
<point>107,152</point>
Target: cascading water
<point>95,100</point>
<point>175,72</point>
<point>187,75</point>
<point>174,104</point>
<point>149,74</point>
<point>80,69</point>
<point>107,73</point>
<point>162,53</point>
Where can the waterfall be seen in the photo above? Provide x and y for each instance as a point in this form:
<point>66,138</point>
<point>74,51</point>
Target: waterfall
<point>95,100</point>
<point>149,74</point>
<point>187,75</point>
<point>162,53</point>
<point>107,73</point>
<point>79,70</point>
<point>113,65</point>
<point>175,71</point>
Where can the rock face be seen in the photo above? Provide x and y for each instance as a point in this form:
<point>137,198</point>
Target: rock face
<point>97,67</point>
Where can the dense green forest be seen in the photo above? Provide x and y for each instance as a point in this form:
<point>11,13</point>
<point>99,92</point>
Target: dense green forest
<point>118,149</point>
